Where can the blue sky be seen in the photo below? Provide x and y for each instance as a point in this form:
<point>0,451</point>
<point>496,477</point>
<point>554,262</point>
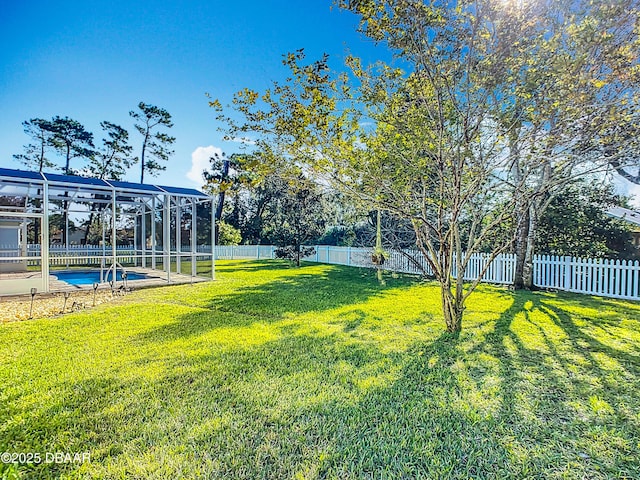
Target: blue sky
<point>95,60</point>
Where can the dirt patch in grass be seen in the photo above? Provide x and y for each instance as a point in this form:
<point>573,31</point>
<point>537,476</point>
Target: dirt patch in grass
<point>50,305</point>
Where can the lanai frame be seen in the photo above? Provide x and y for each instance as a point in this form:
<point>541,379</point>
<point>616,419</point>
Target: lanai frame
<point>34,196</point>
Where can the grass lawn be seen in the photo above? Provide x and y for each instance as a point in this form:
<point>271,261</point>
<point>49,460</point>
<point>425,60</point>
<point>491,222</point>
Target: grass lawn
<point>319,372</point>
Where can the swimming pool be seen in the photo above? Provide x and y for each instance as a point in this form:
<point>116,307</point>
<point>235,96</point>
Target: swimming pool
<point>89,277</point>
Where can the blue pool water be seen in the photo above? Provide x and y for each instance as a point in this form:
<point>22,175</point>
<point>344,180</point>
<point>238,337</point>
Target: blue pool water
<point>91,277</point>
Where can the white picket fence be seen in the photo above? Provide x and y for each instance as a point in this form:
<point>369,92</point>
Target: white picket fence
<point>91,255</point>
<point>59,255</point>
<point>606,278</point>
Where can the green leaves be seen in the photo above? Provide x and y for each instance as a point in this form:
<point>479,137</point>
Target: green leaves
<point>114,158</point>
<point>496,104</point>
<point>71,140</point>
<point>156,146</point>
<point>40,132</point>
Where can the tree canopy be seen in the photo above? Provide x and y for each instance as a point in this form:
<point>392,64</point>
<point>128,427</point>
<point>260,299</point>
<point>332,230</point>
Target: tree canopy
<point>71,139</point>
<point>156,145</point>
<point>112,160</point>
<point>40,132</point>
<point>496,103</point>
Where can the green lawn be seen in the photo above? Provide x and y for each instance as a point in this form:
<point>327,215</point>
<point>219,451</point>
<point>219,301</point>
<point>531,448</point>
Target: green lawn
<point>319,372</point>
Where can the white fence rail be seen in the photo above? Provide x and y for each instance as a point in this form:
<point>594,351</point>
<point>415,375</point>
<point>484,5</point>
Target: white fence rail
<point>91,255</point>
<point>606,278</point>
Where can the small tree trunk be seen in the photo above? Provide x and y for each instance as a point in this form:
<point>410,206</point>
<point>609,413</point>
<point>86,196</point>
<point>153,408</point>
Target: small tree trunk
<point>144,148</point>
<point>379,247</point>
<point>298,255</point>
<point>221,196</point>
<point>88,229</point>
<point>218,216</point>
<point>527,273</point>
<point>521,250</point>
<point>452,308</point>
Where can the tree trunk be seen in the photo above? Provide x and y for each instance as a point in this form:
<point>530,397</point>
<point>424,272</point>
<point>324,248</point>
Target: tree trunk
<point>525,249</point>
<point>521,250</point>
<point>527,273</point>
<point>65,204</point>
<point>379,247</point>
<point>452,308</point>
<point>66,166</point>
<point>298,255</point>
<point>221,195</point>
<point>144,148</point>
<point>218,217</point>
<point>88,229</point>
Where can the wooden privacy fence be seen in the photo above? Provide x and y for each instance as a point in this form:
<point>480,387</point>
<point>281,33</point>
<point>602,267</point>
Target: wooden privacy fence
<point>606,278</point>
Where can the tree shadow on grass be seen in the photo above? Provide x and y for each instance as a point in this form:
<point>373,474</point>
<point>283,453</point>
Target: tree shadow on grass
<point>226,405</point>
<point>360,414</point>
<point>77,418</point>
<point>273,301</point>
<point>588,345</point>
<point>232,266</point>
<point>325,406</point>
<point>417,426</point>
<point>555,390</point>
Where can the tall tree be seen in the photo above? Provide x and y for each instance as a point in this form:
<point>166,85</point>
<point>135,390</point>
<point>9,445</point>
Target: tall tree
<point>228,177</point>
<point>35,153</point>
<point>429,159</point>
<point>438,152</point>
<point>576,224</point>
<point>294,217</point>
<point>156,146</point>
<point>113,158</point>
<point>71,140</point>
<point>110,161</point>
<point>574,90</point>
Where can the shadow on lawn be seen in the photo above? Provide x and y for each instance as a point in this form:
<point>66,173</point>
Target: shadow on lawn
<point>323,406</point>
<point>520,365</point>
<point>231,266</point>
<point>423,422</point>
<point>297,293</point>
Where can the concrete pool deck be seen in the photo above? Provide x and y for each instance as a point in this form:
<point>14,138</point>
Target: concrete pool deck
<point>155,278</point>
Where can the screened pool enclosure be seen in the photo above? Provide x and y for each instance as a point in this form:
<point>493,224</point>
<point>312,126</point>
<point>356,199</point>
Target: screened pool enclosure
<point>53,225</point>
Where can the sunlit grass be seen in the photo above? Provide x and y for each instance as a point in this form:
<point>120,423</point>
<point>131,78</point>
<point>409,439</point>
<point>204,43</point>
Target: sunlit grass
<point>320,372</point>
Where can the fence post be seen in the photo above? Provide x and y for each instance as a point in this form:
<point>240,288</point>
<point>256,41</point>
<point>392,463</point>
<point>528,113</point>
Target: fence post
<point>317,253</point>
<point>349,256</point>
<point>566,261</point>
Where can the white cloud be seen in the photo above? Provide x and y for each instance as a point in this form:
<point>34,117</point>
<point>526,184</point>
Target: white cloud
<point>200,162</point>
